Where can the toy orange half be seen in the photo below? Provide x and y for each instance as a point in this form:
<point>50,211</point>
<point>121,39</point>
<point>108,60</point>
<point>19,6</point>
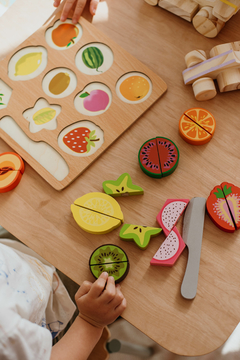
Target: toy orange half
<point>11,170</point>
<point>197,126</point>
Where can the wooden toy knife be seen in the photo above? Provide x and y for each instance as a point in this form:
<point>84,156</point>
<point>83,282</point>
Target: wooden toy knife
<point>192,236</point>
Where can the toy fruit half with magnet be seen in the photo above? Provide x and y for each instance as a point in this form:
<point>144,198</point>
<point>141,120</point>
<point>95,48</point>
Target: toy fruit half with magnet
<point>97,213</point>
<point>170,213</point>
<point>11,170</point>
<point>223,206</point>
<point>122,186</point>
<point>197,126</point>
<point>109,258</point>
<point>158,157</point>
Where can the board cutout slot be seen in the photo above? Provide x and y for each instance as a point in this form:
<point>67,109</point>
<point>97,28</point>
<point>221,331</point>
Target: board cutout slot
<point>27,63</point>
<point>5,94</point>
<point>94,58</point>
<point>59,82</point>
<point>63,36</point>
<point>81,139</point>
<point>94,99</point>
<point>134,87</point>
<point>42,116</point>
<point>42,152</point>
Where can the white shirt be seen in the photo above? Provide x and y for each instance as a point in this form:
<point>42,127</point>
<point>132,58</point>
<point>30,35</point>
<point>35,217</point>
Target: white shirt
<point>34,304</point>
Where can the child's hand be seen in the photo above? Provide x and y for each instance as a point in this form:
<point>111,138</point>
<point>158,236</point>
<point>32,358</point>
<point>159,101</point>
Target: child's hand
<point>77,6</point>
<point>102,302</point>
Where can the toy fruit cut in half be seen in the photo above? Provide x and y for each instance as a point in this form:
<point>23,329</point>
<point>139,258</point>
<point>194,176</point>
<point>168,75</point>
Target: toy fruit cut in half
<point>223,206</point>
<point>158,157</point>
<point>170,213</point>
<point>170,250</point>
<point>141,235</point>
<point>11,170</point>
<point>97,213</point>
<point>197,126</point>
<point>109,258</point>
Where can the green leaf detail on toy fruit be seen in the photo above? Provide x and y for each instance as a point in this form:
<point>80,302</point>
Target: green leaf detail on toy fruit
<point>226,190</point>
<point>84,95</point>
<point>219,194</point>
<point>122,186</point>
<point>90,140</point>
<point>139,234</point>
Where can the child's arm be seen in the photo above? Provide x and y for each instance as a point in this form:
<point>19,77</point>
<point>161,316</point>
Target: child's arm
<point>77,6</point>
<point>99,305</point>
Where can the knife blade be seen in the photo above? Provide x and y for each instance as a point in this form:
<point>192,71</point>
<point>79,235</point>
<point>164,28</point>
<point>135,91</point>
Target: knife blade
<point>192,233</point>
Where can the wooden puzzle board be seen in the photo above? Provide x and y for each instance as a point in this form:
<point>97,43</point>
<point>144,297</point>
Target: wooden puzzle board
<point>26,93</point>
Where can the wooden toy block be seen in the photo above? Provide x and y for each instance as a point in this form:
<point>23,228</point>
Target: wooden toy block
<point>109,258</point>
<point>184,9</point>
<point>170,214</point>
<point>97,213</point>
<point>170,250</point>
<point>192,236</point>
<point>60,90</point>
<point>222,66</point>
<point>122,186</point>
<point>141,235</point>
<point>11,170</point>
<point>223,207</point>
<point>197,126</point>
<point>207,16</point>
<point>158,157</point>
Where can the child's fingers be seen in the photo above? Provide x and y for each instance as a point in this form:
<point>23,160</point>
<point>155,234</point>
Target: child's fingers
<point>121,307</point>
<point>99,285</point>
<point>84,289</point>
<point>78,10</point>
<point>56,3</point>
<point>110,291</point>
<point>66,9</point>
<point>93,6</point>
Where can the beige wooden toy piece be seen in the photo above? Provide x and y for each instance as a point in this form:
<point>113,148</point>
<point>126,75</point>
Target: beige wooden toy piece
<point>185,9</point>
<point>45,150</point>
<point>223,66</point>
<point>208,17</point>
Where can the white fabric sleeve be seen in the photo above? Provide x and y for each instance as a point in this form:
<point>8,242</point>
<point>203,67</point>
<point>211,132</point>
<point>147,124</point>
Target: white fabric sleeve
<point>21,339</point>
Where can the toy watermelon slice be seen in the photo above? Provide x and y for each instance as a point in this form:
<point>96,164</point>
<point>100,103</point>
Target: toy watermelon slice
<point>158,157</point>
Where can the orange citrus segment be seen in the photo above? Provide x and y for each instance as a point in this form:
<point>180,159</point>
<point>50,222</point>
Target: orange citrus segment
<point>196,126</point>
<point>134,88</point>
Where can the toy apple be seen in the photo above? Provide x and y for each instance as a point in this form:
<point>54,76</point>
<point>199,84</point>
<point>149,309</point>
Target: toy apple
<point>96,100</point>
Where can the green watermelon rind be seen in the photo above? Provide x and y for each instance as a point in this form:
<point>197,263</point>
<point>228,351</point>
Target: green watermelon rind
<point>161,174</point>
<point>92,57</point>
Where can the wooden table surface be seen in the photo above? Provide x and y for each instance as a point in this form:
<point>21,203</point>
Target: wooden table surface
<point>40,216</point>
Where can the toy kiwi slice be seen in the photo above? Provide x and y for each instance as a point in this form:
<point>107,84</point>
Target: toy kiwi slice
<point>109,258</point>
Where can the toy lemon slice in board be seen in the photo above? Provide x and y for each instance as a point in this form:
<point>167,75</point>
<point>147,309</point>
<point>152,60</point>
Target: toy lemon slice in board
<point>97,213</point>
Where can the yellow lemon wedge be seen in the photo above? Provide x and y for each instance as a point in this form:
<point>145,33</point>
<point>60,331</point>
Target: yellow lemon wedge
<point>97,213</point>
<point>28,63</point>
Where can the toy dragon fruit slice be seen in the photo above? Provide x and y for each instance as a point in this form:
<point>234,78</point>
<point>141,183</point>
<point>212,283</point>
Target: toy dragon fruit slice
<point>170,250</point>
<point>170,213</point>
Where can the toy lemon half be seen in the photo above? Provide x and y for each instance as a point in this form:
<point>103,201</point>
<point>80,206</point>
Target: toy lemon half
<point>97,213</point>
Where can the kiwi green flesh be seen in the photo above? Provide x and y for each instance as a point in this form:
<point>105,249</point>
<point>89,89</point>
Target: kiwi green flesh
<point>109,258</point>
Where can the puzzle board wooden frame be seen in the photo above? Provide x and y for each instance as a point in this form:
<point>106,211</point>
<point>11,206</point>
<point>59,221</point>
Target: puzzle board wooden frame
<point>118,118</point>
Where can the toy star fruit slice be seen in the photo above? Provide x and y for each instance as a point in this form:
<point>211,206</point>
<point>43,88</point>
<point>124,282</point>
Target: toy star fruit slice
<point>122,186</point>
<point>141,235</point>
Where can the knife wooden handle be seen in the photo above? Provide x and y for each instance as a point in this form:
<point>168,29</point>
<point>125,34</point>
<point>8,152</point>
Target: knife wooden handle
<point>192,236</point>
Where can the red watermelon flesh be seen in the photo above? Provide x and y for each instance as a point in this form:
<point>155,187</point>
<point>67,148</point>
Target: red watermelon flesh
<point>149,158</point>
<point>168,155</point>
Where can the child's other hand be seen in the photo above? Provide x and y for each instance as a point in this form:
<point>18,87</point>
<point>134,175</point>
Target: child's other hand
<point>102,302</point>
<point>77,6</point>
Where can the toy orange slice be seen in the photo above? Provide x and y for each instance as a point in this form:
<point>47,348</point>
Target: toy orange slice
<point>197,126</point>
<point>11,170</point>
